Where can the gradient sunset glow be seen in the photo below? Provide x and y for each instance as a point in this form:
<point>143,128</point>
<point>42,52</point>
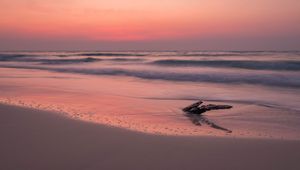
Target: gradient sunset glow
<point>149,24</point>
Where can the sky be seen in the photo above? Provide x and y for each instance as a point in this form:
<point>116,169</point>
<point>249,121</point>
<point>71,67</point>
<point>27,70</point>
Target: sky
<point>117,25</point>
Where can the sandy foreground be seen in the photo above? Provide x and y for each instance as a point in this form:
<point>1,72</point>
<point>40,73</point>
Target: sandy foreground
<point>38,140</point>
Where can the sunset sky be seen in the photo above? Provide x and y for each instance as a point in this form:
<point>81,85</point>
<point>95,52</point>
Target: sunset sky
<point>149,25</point>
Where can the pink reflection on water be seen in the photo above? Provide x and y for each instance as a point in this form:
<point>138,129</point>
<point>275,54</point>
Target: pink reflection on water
<point>130,103</point>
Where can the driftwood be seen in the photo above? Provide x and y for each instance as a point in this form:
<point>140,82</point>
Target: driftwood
<point>190,107</point>
<point>197,109</point>
<point>194,112</point>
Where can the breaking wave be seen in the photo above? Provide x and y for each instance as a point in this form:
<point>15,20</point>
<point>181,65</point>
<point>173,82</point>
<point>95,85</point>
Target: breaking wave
<point>282,72</point>
<point>54,61</point>
<point>246,64</point>
<point>275,79</point>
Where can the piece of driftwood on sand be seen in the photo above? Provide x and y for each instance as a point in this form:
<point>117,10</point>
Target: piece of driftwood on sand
<point>195,111</point>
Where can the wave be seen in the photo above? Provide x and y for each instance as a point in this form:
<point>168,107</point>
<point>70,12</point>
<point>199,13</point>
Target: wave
<point>124,59</point>
<point>110,54</point>
<point>275,79</point>
<point>27,58</point>
<point>12,57</point>
<point>68,61</point>
<point>85,60</point>
<point>178,53</point>
<point>245,64</point>
<point>164,53</point>
<point>47,60</point>
<point>222,54</point>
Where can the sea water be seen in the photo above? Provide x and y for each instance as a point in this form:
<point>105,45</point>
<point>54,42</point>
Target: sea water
<point>145,91</point>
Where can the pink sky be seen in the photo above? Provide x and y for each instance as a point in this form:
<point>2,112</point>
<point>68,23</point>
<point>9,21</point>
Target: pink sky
<point>149,24</point>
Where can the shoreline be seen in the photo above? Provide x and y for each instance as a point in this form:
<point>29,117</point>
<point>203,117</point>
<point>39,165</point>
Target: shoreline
<point>35,139</point>
<point>81,118</point>
<point>101,99</point>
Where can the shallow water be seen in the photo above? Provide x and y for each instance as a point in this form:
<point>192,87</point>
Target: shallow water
<point>145,91</point>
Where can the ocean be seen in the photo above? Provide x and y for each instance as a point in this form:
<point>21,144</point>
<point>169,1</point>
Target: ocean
<point>145,91</point>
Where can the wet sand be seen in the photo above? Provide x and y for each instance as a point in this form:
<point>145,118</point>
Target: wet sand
<point>33,139</point>
<point>154,106</point>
